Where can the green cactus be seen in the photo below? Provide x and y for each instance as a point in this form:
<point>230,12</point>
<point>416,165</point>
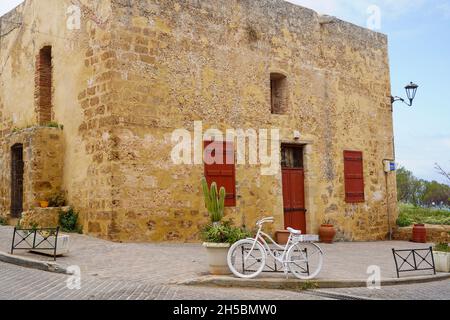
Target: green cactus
<point>214,201</point>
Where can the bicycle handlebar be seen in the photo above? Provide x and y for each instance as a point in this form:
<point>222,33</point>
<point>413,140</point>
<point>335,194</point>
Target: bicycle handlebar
<point>265,220</point>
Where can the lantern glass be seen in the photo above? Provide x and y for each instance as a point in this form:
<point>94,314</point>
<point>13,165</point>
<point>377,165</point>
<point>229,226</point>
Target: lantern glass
<point>411,90</point>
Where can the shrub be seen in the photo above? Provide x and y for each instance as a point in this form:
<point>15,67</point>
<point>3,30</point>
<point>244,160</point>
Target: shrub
<point>53,124</point>
<point>224,233</point>
<point>403,221</point>
<point>57,200</point>
<point>68,221</point>
<point>423,215</point>
<point>442,247</point>
<point>3,221</point>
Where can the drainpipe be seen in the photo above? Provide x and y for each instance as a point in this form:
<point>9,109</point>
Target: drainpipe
<point>388,205</point>
<point>386,175</point>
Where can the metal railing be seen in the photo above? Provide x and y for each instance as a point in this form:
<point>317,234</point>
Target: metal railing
<point>42,239</point>
<point>411,260</point>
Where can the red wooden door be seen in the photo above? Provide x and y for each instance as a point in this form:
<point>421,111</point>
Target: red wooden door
<point>293,187</point>
<point>294,199</point>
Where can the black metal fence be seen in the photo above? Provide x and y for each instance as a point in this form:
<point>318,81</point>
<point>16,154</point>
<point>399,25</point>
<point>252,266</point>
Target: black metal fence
<point>411,260</point>
<point>43,239</point>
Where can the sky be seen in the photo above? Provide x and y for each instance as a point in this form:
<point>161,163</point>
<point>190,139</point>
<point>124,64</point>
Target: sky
<point>419,49</point>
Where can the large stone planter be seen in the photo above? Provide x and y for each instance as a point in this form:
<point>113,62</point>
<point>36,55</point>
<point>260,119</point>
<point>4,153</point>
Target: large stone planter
<point>217,258</point>
<point>442,261</point>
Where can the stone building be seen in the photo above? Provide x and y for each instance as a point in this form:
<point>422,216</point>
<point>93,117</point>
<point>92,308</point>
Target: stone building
<point>92,91</point>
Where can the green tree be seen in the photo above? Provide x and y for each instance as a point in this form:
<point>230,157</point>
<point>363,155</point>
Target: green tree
<point>410,189</point>
<point>420,192</point>
<point>404,178</point>
<point>435,192</point>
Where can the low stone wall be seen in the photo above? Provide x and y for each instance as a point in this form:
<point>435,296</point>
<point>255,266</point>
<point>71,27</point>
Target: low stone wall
<point>435,234</point>
<point>42,217</point>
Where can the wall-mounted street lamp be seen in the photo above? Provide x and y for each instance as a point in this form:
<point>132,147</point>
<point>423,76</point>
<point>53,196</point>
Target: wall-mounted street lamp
<point>411,90</point>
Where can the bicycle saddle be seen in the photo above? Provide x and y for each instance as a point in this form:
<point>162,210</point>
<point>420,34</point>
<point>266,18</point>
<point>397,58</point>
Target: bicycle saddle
<point>294,232</point>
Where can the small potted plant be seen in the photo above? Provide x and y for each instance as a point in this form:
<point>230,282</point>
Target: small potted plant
<point>44,204</point>
<point>57,200</point>
<point>218,235</point>
<point>218,239</point>
<point>327,232</point>
<point>441,254</point>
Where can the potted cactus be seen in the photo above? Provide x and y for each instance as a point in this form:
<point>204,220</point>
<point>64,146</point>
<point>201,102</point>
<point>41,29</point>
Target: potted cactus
<point>216,247</point>
<point>218,235</point>
<point>214,201</point>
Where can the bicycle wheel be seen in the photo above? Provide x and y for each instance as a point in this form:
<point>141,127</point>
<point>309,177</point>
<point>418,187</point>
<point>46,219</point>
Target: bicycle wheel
<point>245,262</point>
<point>305,260</point>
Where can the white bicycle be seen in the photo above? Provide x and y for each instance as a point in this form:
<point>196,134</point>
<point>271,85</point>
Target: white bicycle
<point>303,258</point>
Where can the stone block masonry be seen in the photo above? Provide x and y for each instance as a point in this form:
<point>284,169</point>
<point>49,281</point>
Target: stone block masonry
<point>121,87</point>
<point>435,234</point>
<point>43,151</point>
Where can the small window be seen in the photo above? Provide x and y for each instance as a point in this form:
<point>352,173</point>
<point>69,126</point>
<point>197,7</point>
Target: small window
<point>292,157</point>
<point>354,177</point>
<point>278,93</point>
<point>44,85</point>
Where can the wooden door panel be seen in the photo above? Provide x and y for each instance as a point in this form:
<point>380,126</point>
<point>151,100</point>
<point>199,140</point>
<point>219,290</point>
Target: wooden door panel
<point>294,199</point>
<point>286,190</point>
<point>298,189</point>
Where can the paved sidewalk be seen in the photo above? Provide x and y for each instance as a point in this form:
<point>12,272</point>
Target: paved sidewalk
<point>170,263</point>
<point>19,283</point>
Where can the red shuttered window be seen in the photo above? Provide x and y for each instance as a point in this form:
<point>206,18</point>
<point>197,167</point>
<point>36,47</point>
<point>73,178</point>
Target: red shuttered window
<point>354,177</point>
<point>220,168</point>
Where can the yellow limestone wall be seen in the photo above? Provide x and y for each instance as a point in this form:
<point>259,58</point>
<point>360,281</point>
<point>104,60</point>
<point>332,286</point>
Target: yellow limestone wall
<point>137,70</point>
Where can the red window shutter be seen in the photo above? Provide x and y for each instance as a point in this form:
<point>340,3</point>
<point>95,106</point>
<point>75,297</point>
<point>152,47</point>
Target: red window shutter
<point>224,174</point>
<point>354,177</point>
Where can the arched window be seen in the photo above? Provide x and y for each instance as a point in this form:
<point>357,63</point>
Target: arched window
<point>278,93</point>
<point>43,90</point>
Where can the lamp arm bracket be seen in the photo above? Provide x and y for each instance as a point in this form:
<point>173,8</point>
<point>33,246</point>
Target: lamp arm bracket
<point>395,99</point>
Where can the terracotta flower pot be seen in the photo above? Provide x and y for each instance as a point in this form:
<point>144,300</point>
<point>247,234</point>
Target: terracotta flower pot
<point>44,204</point>
<point>419,234</point>
<point>327,232</point>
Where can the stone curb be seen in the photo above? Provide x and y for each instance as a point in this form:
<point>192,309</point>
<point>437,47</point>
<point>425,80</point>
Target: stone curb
<point>33,264</point>
<point>293,284</point>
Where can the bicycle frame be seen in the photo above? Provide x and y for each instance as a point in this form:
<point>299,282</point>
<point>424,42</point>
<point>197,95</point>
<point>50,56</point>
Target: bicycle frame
<point>300,256</point>
<point>261,238</point>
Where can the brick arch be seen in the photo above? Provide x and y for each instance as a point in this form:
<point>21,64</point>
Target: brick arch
<point>43,85</point>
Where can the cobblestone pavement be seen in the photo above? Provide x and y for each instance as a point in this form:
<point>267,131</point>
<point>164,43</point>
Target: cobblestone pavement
<point>17,283</point>
<point>439,290</point>
<point>167,263</point>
